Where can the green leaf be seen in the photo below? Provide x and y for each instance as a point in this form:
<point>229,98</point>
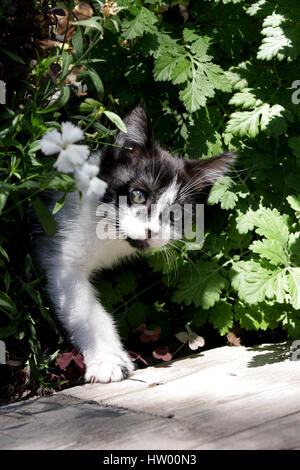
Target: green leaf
<point>250,317</point>
<point>194,95</point>
<point>163,68</point>
<point>271,119</point>
<point>137,313</point>
<point>66,62</point>
<point>255,283</point>
<point>294,144</point>
<point>271,250</point>
<point>61,101</point>
<point>143,22</point>
<point>7,303</point>
<point>294,202</point>
<point>294,286</point>
<point>45,217</point>
<point>116,120</point>
<point>4,253</point>
<point>221,316</point>
<point>268,222</point>
<point>8,330</point>
<point>220,192</point>
<point>92,23</point>
<point>202,286</point>
<point>77,42</point>
<point>96,80</point>
<point>13,56</point>
<point>89,105</point>
<point>279,34</point>
<point>59,204</point>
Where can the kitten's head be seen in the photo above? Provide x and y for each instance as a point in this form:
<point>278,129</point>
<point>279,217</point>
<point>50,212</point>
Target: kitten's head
<point>149,187</point>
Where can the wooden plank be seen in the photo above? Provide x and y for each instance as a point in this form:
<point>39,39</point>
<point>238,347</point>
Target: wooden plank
<point>227,356</point>
<point>218,393</point>
<point>240,398</point>
<point>278,434</point>
<point>61,422</point>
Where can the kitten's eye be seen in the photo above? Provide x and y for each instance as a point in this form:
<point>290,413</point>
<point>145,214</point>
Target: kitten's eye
<point>138,196</point>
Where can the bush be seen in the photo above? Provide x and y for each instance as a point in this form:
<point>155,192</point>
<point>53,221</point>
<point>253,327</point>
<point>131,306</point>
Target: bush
<point>215,75</point>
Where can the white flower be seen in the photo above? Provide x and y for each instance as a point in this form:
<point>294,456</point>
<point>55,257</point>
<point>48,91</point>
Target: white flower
<point>70,154</point>
<point>97,187</point>
<point>87,181</point>
<point>84,174</point>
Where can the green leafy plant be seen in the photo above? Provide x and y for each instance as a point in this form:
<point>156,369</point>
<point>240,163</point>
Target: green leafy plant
<point>217,77</point>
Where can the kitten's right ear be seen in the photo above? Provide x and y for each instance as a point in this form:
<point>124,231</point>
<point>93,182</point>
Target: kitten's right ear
<point>139,131</point>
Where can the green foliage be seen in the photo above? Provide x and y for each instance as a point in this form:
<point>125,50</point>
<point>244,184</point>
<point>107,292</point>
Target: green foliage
<point>220,80</point>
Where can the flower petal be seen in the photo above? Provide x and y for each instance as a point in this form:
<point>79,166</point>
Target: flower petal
<point>63,163</point>
<point>51,142</point>
<point>70,133</point>
<point>77,154</point>
<point>182,336</point>
<point>97,187</point>
<point>82,180</point>
<point>196,342</point>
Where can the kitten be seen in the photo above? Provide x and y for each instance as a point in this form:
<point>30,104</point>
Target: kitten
<point>140,173</point>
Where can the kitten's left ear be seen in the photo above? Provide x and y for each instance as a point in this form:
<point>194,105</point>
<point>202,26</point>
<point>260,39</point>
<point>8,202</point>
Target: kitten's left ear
<point>206,172</point>
<point>139,131</point>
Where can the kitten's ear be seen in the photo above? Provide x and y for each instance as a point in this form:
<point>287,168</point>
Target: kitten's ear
<point>206,172</point>
<point>139,131</point>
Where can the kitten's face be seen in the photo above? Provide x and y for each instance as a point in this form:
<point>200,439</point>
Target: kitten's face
<point>148,188</point>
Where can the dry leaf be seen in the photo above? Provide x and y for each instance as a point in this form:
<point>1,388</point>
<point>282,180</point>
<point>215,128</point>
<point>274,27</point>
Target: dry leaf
<point>195,341</point>
<point>234,340</point>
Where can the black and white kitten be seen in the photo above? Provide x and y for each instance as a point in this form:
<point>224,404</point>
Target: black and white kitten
<point>146,175</point>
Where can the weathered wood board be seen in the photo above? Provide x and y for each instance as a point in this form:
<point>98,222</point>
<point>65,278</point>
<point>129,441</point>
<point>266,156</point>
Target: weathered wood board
<point>224,398</point>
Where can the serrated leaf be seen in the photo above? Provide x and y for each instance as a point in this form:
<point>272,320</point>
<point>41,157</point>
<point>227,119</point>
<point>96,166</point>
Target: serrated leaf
<point>163,68</point>
<point>193,96</point>
<point>294,202</point>
<point>220,192</point>
<point>181,72</point>
<point>250,317</point>
<point>201,286</point>
<point>294,286</point>
<point>221,316</point>
<point>255,283</point>
<point>268,222</point>
<point>271,119</point>
<point>142,23</point>
<point>277,42</point>
<point>271,250</point>
<point>245,99</point>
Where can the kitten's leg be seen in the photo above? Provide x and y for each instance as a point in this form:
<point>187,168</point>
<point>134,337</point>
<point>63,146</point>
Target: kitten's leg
<point>91,327</point>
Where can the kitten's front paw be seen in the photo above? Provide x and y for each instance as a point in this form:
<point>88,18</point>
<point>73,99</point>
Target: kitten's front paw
<point>113,368</point>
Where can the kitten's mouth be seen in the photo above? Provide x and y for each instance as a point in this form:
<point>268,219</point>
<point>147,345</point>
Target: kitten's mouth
<point>148,243</point>
<point>139,244</point>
